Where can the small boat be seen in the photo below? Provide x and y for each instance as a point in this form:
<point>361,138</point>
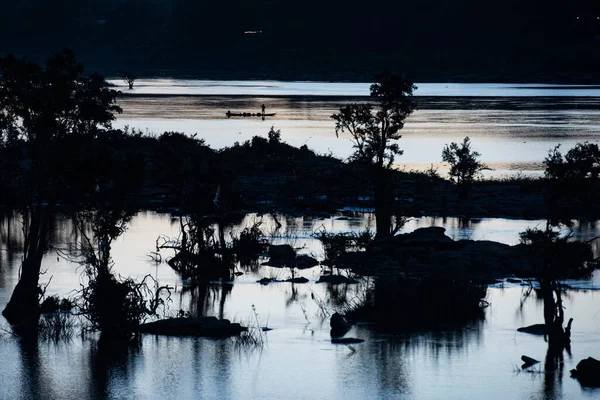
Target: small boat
<point>249,114</point>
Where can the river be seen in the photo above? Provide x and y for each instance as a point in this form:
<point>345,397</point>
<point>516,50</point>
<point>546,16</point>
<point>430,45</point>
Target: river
<point>297,360</point>
<point>513,126</point>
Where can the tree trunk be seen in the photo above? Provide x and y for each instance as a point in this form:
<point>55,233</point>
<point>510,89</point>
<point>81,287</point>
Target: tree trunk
<point>383,205</point>
<point>558,338</point>
<point>23,308</point>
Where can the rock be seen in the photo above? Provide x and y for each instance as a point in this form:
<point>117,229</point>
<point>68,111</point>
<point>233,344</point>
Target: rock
<point>201,326</point>
<point>587,372</point>
<point>275,264</point>
<point>432,234</point>
<point>282,252</point>
<point>339,325</point>
<point>265,281</point>
<point>349,340</point>
<point>513,280</point>
<point>304,262</point>
<point>336,279</point>
<point>537,329</point>
<point>299,279</point>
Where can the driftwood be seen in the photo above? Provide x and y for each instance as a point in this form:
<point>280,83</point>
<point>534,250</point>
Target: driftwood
<point>528,361</point>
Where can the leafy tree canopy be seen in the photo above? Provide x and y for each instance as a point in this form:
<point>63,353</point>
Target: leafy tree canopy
<point>375,129</point>
<point>39,104</point>
<point>464,162</point>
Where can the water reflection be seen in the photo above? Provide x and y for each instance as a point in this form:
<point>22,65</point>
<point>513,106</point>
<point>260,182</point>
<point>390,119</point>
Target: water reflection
<point>475,362</point>
<point>553,375</point>
<point>34,382</point>
<point>111,368</point>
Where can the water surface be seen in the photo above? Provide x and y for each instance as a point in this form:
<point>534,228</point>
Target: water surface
<point>513,126</point>
<point>297,361</point>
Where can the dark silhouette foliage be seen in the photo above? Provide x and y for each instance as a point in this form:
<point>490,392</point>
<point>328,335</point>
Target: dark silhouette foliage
<point>573,180</point>
<point>129,79</point>
<point>465,166</point>
<point>580,162</point>
<point>556,257</point>
<point>40,109</point>
<point>113,306</point>
<point>374,130</point>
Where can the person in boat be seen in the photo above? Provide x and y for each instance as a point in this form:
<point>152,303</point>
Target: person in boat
<point>228,113</point>
<point>263,108</point>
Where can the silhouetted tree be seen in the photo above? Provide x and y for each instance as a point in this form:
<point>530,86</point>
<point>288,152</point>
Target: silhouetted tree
<point>129,79</point>
<point>464,165</point>
<point>41,107</point>
<point>555,257</point>
<point>573,180</point>
<point>582,161</point>
<point>114,306</point>
<point>374,130</point>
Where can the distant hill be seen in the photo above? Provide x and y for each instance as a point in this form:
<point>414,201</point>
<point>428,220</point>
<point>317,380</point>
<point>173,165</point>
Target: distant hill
<point>435,40</point>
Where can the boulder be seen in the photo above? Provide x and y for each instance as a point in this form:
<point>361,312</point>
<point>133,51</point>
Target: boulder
<point>336,279</point>
<point>303,262</point>
<point>201,326</point>
<point>339,325</point>
<point>587,372</point>
<point>282,252</point>
<point>432,234</point>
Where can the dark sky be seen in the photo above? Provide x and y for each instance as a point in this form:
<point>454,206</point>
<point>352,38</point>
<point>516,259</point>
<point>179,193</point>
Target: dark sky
<point>428,38</point>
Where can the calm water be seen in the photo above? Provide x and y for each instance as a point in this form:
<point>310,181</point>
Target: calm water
<point>512,125</point>
<point>297,361</point>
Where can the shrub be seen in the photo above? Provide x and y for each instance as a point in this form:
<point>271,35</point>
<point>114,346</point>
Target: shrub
<point>335,245</point>
<point>464,164</point>
<point>582,161</point>
<point>274,135</point>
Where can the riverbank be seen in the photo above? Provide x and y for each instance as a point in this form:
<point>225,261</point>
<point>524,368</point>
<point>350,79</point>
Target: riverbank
<point>269,176</point>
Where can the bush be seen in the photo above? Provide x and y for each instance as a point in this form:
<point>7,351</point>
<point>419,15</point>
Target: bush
<point>249,245</point>
<point>336,245</point>
<point>54,304</point>
<point>562,257</point>
<point>464,165</point>
<point>580,162</point>
<point>117,307</point>
<point>274,135</point>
